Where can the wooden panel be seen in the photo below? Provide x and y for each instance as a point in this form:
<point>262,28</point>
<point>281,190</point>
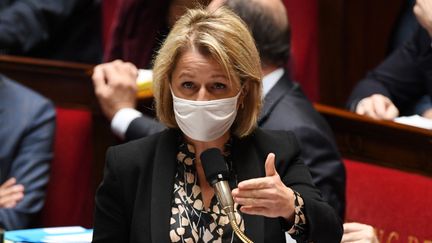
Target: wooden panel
<point>353,38</point>
<point>380,142</point>
<point>66,84</point>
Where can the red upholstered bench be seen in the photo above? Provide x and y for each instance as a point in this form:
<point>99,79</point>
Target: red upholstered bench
<point>397,204</point>
<point>70,193</point>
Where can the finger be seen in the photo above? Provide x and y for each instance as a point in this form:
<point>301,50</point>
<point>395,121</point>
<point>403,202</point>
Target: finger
<point>349,237</point>
<point>268,193</point>
<point>270,168</point>
<point>380,106</point>
<point>365,107</point>
<point>7,192</point>
<point>255,210</point>
<point>253,201</point>
<point>352,226</point>
<point>132,69</point>
<point>254,184</point>
<point>392,112</point>
<point>11,181</point>
<point>98,76</point>
<point>11,198</point>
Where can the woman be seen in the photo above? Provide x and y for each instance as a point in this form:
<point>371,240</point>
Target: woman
<point>207,86</point>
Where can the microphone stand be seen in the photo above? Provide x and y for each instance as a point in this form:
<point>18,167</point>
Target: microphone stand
<point>217,174</point>
<point>227,203</point>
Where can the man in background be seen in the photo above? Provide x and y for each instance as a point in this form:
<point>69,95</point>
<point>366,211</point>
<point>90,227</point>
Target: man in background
<point>68,30</point>
<point>27,122</point>
<point>405,77</point>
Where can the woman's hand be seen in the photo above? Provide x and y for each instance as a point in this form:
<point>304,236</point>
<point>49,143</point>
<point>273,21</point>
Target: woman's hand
<point>10,193</point>
<point>266,196</point>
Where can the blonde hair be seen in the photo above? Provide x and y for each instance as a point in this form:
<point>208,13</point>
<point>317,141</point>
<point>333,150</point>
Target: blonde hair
<point>223,36</point>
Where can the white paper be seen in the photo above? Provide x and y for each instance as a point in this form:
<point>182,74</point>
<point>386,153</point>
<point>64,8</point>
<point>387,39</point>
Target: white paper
<point>416,121</point>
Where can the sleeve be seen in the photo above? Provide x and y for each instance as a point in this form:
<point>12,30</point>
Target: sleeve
<point>109,220</point>
<point>322,223</point>
<point>401,76</point>
<point>24,24</point>
<point>31,167</point>
<point>320,154</point>
<point>143,126</point>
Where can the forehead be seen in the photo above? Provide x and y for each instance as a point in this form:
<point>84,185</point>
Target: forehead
<point>194,61</point>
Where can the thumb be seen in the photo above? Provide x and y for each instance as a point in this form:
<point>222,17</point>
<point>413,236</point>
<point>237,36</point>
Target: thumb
<point>270,168</point>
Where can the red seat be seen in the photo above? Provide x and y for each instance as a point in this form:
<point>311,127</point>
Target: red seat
<point>398,204</point>
<point>70,195</point>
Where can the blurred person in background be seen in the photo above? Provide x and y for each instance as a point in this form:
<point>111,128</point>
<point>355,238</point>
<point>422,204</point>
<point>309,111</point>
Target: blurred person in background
<point>27,123</point>
<point>68,30</point>
<point>402,79</point>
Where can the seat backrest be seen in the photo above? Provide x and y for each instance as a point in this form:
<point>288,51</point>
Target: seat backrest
<point>70,194</point>
<point>397,204</point>
<point>303,19</point>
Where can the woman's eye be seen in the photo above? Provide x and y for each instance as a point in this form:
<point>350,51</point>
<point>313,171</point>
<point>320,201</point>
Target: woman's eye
<point>219,86</point>
<point>188,85</point>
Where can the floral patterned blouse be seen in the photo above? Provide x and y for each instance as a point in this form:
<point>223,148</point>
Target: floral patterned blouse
<point>192,223</point>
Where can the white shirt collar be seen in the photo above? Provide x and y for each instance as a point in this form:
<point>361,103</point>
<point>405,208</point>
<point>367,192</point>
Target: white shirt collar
<point>271,79</point>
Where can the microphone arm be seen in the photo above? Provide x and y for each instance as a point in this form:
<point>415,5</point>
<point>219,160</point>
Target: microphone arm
<point>216,172</point>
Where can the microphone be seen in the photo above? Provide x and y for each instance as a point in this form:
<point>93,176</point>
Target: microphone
<point>217,175</point>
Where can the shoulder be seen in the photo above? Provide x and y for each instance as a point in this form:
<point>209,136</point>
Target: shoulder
<point>278,141</point>
<point>296,113</point>
<point>141,151</point>
<point>22,97</point>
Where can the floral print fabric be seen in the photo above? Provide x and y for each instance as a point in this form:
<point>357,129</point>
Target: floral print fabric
<point>190,221</point>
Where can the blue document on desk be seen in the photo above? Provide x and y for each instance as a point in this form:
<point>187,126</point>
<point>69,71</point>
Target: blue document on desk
<point>74,234</point>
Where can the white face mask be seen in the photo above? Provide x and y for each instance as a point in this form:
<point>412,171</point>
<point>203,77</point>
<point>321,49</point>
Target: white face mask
<point>205,120</point>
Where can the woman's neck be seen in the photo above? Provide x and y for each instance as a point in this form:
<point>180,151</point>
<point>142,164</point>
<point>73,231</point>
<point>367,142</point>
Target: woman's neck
<point>200,146</point>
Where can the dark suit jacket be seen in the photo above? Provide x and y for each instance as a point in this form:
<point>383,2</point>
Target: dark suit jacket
<point>287,108</point>
<point>405,76</point>
<point>27,123</point>
<point>133,203</point>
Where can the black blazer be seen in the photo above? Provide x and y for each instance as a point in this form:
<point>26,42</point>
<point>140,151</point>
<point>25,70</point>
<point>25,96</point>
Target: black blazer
<point>405,76</point>
<point>287,108</point>
<point>134,200</point>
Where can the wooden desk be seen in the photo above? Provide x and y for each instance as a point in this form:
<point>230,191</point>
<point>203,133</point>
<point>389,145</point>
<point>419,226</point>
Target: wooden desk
<point>380,142</point>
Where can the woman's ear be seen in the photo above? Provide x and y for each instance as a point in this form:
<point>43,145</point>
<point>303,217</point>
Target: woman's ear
<point>243,92</point>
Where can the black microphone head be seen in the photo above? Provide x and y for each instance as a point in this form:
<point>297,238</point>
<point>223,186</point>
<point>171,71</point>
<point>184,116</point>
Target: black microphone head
<point>214,165</point>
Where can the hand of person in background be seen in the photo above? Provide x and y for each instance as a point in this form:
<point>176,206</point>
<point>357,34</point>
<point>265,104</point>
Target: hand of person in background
<point>10,193</point>
<point>115,86</point>
<point>361,233</point>
<point>427,114</point>
<point>377,106</point>
<point>423,12</point>
<point>266,196</point>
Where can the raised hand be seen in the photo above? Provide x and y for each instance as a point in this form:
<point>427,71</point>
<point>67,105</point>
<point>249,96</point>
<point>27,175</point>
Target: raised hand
<point>266,196</point>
